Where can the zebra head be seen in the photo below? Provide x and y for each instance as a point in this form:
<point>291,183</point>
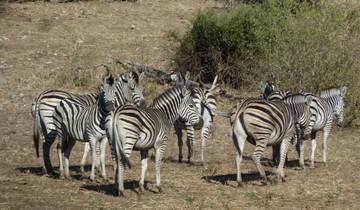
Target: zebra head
<point>128,90</point>
<point>266,88</point>
<point>308,116</point>
<point>187,111</point>
<point>107,93</point>
<point>336,98</point>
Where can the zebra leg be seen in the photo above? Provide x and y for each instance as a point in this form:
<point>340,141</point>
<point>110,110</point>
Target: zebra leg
<point>59,150</point>
<point>144,164</point>
<point>190,143</point>
<point>283,153</point>
<point>119,178</point>
<point>239,137</point>
<point>49,140</point>
<point>326,132</point>
<point>313,148</point>
<point>204,136</point>
<point>83,160</point>
<point>178,131</point>
<point>259,150</point>
<point>69,146</point>
<point>275,154</point>
<point>98,154</point>
<point>159,152</point>
<point>300,151</point>
<point>103,143</point>
<point>93,144</point>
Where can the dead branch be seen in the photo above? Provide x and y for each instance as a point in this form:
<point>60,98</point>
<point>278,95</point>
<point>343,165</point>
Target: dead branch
<point>163,77</point>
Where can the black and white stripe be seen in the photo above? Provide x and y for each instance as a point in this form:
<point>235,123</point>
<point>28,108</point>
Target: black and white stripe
<point>264,123</point>
<point>44,105</point>
<point>330,105</point>
<point>142,128</point>
<point>298,101</point>
<point>77,121</point>
<point>205,102</point>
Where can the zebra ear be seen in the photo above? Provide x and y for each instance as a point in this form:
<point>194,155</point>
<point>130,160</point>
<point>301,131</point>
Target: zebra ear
<point>141,76</point>
<point>187,76</point>
<point>214,83</point>
<point>105,77</point>
<point>308,99</point>
<point>343,91</point>
<point>184,91</point>
<point>110,80</point>
<point>179,79</point>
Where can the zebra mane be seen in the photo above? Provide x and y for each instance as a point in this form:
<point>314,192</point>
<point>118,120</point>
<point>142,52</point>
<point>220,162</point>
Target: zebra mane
<point>166,95</point>
<point>333,91</point>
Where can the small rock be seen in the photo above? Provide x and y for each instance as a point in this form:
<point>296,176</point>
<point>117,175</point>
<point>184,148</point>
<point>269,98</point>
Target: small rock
<point>132,27</point>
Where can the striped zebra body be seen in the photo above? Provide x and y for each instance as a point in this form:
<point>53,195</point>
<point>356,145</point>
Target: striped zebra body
<point>205,103</point>
<point>264,123</point>
<point>330,105</point>
<point>43,108</point>
<point>44,105</point>
<point>77,121</point>
<point>303,127</point>
<point>142,128</point>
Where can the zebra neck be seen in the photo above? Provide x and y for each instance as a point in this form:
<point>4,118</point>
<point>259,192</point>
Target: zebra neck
<point>120,95</point>
<point>169,103</point>
<point>101,114</point>
<point>331,101</point>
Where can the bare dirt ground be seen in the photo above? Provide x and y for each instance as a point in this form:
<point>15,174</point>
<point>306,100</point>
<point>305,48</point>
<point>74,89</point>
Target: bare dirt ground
<point>40,41</point>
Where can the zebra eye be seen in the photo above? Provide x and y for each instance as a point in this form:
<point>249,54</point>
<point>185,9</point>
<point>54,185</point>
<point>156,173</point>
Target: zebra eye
<point>191,105</point>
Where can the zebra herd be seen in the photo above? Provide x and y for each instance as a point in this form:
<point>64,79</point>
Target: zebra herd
<point>118,115</point>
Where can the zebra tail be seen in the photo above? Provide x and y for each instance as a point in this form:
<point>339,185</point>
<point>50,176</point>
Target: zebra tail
<point>36,127</point>
<point>117,141</point>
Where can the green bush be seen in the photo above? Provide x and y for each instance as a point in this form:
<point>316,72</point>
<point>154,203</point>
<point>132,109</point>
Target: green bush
<point>297,45</point>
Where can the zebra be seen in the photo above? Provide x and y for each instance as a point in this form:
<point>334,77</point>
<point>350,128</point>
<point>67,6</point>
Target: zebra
<point>44,104</point>
<point>77,121</point>
<point>142,128</point>
<point>265,123</point>
<point>205,102</point>
<point>330,105</point>
<point>295,100</point>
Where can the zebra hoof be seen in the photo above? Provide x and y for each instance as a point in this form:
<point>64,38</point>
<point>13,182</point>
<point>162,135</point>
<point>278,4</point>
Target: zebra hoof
<point>68,177</point>
<point>240,184</point>
<point>264,181</point>
<point>141,188</point>
<point>92,178</point>
<point>159,189</point>
<point>119,193</point>
<point>312,166</point>
<point>325,164</point>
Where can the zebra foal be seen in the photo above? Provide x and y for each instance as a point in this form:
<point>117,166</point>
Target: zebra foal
<point>142,128</point>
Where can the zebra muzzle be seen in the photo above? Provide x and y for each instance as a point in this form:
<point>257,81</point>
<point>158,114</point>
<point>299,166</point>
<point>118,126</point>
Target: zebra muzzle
<point>109,106</point>
<point>199,125</point>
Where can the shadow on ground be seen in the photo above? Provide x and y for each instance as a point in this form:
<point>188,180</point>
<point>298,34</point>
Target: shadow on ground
<point>39,171</point>
<point>225,178</point>
<point>109,188</point>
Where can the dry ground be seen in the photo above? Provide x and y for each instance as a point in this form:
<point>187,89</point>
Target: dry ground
<point>39,42</point>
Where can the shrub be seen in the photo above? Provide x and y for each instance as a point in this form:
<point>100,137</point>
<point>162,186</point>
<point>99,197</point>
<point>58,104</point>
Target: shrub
<point>297,45</point>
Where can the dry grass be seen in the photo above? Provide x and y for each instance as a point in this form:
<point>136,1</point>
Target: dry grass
<point>40,40</point>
